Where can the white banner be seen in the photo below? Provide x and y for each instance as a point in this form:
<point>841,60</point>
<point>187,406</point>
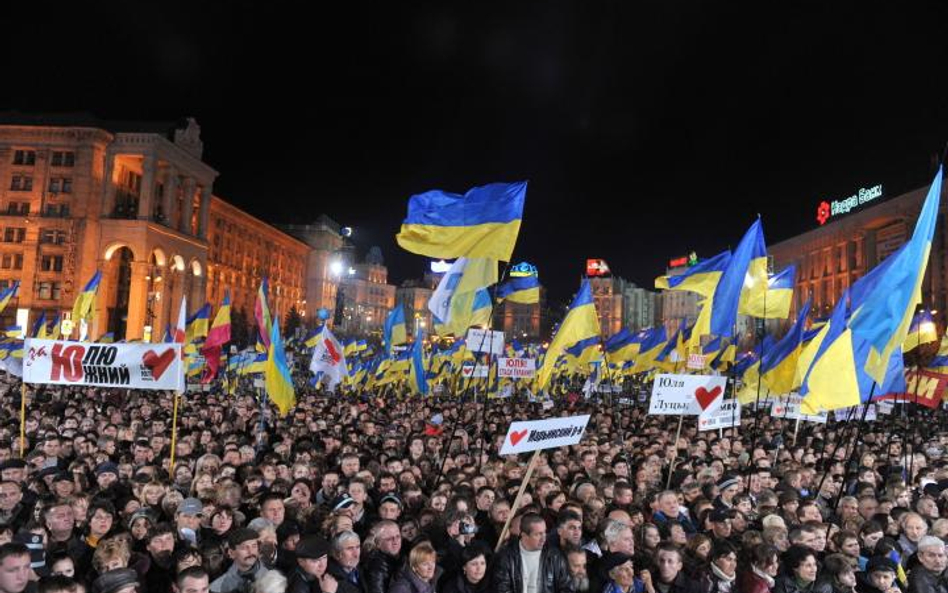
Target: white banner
<point>726,416</point>
<point>532,435</point>
<point>468,370</point>
<point>855,413</point>
<point>518,368</point>
<point>135,366</point>
<point>695,362</point>
<point>689,395</point>
<point>482,340</point>
<point>789,407</point>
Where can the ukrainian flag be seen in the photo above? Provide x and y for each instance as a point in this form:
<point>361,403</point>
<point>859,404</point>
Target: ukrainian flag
<point>84,306</point>
<point>773,303</point>
<point>858,352</point>
<point>39,326</point>
<point>623,345</point>
<point>453,301</point>
<point>579,324</point>
<point>484,222</point>
<point>652,344</point>
<point>524,290</point>
<point>418,379</point>
<point>7,295</point>
<point>583,353</point>
<point>922,331</point>
<point>313,338</point>
<point>394,331</point>
<point>279,383</point>
<point>701,278</point>
<point>939,364</point>
<point>51,332</point>
<point>482,307</point>
<point>779,365</point>
<point>745,273</point>
<point>197,324</point>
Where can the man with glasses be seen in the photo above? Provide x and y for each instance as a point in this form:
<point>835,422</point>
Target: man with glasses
<point>382,563</point>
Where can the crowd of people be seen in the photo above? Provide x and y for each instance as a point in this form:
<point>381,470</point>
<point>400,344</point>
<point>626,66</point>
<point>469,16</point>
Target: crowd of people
<point>397,494</point>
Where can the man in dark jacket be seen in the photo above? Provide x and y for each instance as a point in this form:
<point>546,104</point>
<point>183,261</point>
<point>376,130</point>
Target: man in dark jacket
<point>530,564</point>
<point>671,579</point>
<point>381,564</point>
<point>310,574</point>
<point>344,562</point>
<point>929,575</point>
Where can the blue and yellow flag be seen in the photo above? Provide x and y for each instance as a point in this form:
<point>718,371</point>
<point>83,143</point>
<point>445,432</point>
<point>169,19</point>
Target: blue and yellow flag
<point>84,307</point>
<point>453,302</point>
<point>394,331</point>
<point>39,325</point>
<point>279,383</point>
<point>701,278</point>
<point>581,322</point>
<point>623,345</point>
<point>652,345</point>
<point>7,294</point>
<point>939,364</point>
<point>196,326</point>
<point>922,331</point>
<point>418,375</point>
<point>484,222</point>
<point>778,367</point>
<point>773,303</point>
<point>524,290</point>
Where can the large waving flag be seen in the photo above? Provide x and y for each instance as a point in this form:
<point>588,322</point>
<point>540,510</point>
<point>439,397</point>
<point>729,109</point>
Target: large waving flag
<point>623,345</point>
<point>778,367</point>
<point>746,272</point>
<point>652,345</point>
<point>261,312</point>
<point>452,302</point>
<point>278,381</point>
<point>484,222</point>
<point>394,331</point>
<point>861,346</point>
<point>523,289</point>
<point>84,307</point>
<point>39,326</point>
<point>329,359</point>
<point>196,326</point>
<point>580,323</point>
<point>220,330</point>
<point>939,364</point>
<point>701,278</point>
<point>417,374</point>
<point>773,303</point>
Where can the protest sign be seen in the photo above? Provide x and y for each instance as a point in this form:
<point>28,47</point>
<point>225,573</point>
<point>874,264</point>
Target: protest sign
<point>533,435</point>
<point>689,395</point>
<point>470,370</point>
<point>855,413</point>
<point>726,416</point>
<point>135,366</point>
<point>517,368</point>
<point>789,407</point>
<point>482,340</point>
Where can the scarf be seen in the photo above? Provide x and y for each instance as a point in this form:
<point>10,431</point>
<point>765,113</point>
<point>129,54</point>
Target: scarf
<point>763,576</point>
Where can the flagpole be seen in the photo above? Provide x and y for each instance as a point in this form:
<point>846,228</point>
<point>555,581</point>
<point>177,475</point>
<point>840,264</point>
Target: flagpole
<point>174,429</point>
<point>516,503</point>
<point>760,375</point>
<point>22,419</point>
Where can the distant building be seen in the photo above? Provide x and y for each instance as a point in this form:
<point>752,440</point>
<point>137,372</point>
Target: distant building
<point>520,321</point>
<point>640,307</point>
<point>367,296</point>
<point>607,294</point>
<point>412,296</point>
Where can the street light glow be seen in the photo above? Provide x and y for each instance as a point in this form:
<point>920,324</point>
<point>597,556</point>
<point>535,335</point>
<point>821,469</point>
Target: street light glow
<point>335,268</point>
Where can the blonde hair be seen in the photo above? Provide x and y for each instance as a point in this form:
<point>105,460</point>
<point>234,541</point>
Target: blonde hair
<point>109,550</point>
<point>420,553</point>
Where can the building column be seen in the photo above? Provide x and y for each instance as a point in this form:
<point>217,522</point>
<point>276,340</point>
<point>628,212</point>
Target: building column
<point>184,225</point>
<point>171,196</point>
<point>149,165</point>
<point>198,294</point>
<point>108,187</point>
<point>205,214</point>
<point>137,301</point>
<point>100,314</point>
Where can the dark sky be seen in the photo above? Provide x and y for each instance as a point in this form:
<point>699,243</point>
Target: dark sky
<point>646,128</point>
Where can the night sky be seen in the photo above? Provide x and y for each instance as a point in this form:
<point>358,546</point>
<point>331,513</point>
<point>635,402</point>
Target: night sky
<point>647,128</point>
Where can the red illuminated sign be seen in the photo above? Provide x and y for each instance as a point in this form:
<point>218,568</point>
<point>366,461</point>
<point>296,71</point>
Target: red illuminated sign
<point>674,263</point>
<point>823,212</point>
<point>596,267</point>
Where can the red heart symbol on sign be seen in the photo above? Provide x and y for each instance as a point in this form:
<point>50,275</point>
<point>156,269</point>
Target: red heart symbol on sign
<point>516,437</point>
<point>156,363</point>
<point>705,397</point>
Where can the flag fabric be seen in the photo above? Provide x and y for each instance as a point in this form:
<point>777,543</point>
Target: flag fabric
<point>861,348</point>
<point>329,359</point>
<point>278,381</point>
<point>52,331</point>
<point>522,289</point>
<point>313,338</point>
<point>180,330</point>
<point>702,278</point>
<point>745,273</point>
<point>261,312</point>
<point>922,331</point>
<point>219,333</point>
<point>417,374</point>
<point>778,367</point>
<point>212,362</point>
<point>452,302</point>
<point>196,326</point>
<point>623,345</point>
<point>775,302</point>
<point>939,364</point>
<point>39,326</point>
<point>394,331</point>
<point>581,322</point>
<point>481,308</point>
<point>7,294</point>
<point>652,345</point>
<point>484,222</point>
<point>84,306</point>
<point>107,338</point>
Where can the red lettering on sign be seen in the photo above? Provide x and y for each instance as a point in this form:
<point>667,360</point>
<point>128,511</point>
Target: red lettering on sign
<point>66,362</point>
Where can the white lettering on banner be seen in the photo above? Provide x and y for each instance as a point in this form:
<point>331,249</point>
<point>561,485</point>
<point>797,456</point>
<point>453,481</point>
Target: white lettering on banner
<point>531,435</point>
<point>136,366</point>
<point>518,368</point>
<point>728,415</point>
<point>689,395</point>
<point>482,340</point>
<point>789,407</point>
<point>855,413</point>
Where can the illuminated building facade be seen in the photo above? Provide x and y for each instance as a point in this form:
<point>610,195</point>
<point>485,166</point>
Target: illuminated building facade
<point>833,256</point>
<point>366,296</point>
<point>607,294</point>
<point>520,321</point>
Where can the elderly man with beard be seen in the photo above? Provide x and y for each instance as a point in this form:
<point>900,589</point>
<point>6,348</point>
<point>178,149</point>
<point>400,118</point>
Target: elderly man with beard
<point>576,562</point>
<point>244,550</point>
